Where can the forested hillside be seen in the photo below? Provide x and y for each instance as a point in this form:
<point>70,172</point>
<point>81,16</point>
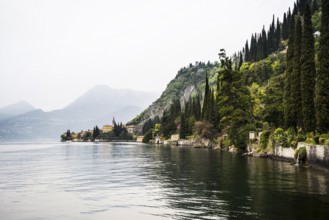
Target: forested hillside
<point>278,80</point>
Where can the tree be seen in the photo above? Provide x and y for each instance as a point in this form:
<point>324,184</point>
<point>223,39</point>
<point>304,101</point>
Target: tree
<point>96,132</point>
<point>234,103</point>
<point>206,100</point>
<point>169,118</point>
<point>183,127</point>
<point>285,27</point>
<point>308,72</point>
<point>322,79</point>
<point>204,129</point>
<point>273,112</point>
<point>240,60</point>
<point>247,52</point>
<point>147,136</point>
<point>68,135</point>
<point>278,34</point>
<point>296,100</point>
<point>288,111</point>
<point>315,6</point>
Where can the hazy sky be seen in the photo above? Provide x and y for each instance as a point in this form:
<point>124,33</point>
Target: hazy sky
<point>52,51</point>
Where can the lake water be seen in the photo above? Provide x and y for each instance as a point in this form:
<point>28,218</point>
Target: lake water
<point>136,181</point>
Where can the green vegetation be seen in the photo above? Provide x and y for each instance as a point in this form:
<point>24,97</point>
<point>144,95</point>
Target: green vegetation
<point>308,73</point>
<point>234,103</point>
<point>148,136</point>
<point>280,79</point>
<point>264,139</point>
<point>119,133</point>
<point>322,79</point>
<point>300,154</point>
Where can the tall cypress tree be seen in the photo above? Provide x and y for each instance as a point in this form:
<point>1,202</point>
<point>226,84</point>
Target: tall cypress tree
<point>278,34</point>
<point>301,6</point>
<point>289,18</point>
<point>322,79</point>
<point>296,76</point>
<point>288,116</point>
<point>205,99</point>
<point>197,108</point>
<point>247,53</point>
<point>308,72</point>
<point>240,60</point>
<point>260,49</point>
<point>264,43</point>
<point>253,48</point>
<point>315,6</point>
<point>285,27</point>
<point>271,37</point>
<point>183,126</point>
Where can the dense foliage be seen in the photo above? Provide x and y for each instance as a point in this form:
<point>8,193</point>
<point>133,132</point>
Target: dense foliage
<point>278,80</point>
<point>322,79</point>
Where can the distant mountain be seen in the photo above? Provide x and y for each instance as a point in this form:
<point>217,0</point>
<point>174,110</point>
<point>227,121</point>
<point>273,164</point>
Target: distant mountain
<point>97,106</point>
<point>18,108</point>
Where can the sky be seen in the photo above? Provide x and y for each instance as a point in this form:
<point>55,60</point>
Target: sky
<point>53,51</point>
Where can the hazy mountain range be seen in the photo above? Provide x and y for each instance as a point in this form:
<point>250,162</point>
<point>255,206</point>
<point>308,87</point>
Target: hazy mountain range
<point>18,108</point>
<point>98,106</point>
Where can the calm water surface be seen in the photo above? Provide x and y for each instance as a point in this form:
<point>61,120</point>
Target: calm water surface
<point>135,181</point>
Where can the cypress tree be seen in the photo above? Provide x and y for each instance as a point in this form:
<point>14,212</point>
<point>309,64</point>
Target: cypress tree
<point>296,76</point>
<point>285,27</point>
<point>308,72</point>
<point>278,34</point>
<point>289,17</point>
<point>264,43</point>
<point>301,6</point>
<point>322,79</point>
<point>183,127</point>
<point>210,109</point>
<point>315,6</point>
<point>240,60</point>
<point>197,108</point>
<point>247,55</point>
<point>253,49</point>
<point>205,99</point>
<point>271,37</point>
<point>288,116</point>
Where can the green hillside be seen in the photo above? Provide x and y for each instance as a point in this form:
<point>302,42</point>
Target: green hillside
<point>277,66</point>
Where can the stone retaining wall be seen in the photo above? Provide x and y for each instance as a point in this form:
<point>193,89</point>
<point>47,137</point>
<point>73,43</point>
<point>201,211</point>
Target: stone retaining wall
<point>316,154</point>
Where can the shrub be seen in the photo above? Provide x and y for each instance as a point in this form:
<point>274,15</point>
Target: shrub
<point>148,136</point>
<point>280,137</point>
<point>264,138</point>
<point>301,136</point>
<point>322,140</point>
<point>316,139</point>
<point>204,129</point>
<point>226,143</point>
<point>310,138</point>
<point>302,154</point>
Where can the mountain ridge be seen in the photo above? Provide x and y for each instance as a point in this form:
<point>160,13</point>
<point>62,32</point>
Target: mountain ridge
<point>97,106</point>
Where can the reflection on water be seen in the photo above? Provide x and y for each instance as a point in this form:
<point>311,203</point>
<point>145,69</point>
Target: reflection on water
<point>134,181</point>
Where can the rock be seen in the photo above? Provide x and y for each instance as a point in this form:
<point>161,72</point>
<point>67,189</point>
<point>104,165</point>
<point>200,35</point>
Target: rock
<point>202,143</point>
<point>264,155</point>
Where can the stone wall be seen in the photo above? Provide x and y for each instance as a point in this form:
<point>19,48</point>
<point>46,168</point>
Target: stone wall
<point>285,152</point>
<point>316,154</point>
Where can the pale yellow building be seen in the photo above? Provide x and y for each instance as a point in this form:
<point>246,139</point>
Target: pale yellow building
<point>107,128</point>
